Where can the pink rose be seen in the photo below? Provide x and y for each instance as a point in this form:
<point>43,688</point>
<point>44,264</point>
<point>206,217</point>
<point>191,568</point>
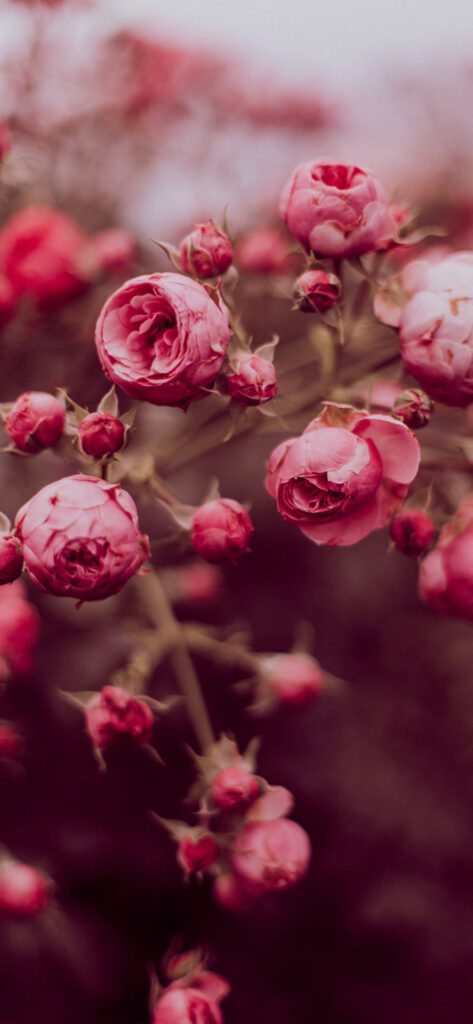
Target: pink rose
<point>35,421</point>
<point>394,293</point>
<point>206,251</point>
<point>19,628</point>
<point>80,537</point>
<point>24,892</point>
<point>265,250</point>
<point>198,584</point>
<point>271,855</point>
<point>253,381</point>
<point>340,482</point>
<point>162,339</point>
<point>11,558</point>
<point>336,210</point>
<point>40,251</point>
<point>113,716</point>
<point>192,1001</point>
<point>10,742</point>
<point>197,853</point>
<point>101,435</point>
<point>315,291</point>
<point>294,679</point>
<point>233,788</point>
<point>446,573</point>
<point>221,530</point>
<point>412,532</point>
<point>109,252</point>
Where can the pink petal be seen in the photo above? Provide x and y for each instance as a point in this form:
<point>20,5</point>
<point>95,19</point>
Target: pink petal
<point>398,447</point>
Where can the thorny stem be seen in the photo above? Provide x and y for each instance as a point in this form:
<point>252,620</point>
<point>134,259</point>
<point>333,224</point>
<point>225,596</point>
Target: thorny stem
<point>162,616</point>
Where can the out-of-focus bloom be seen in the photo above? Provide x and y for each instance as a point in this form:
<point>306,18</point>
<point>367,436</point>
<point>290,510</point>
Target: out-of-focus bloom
<point>35,421</point>
<point>271,855</point>
<point>162,339</point>
<point>5,140</point>
<point>7,300</point>
<point>197,584</point>
<point>394,293</point>
<point>221,530</point>
<point>101,434</point>
<point>412,532</point>
<point>80,538</point>
<point>292,678</point>
<point>229,891</point>
<point>265,250</point>
<point>109,252</point>
<point>10,742</point>
<point>40,251</point>
<point>113,717</point>
<point>192,1001</point>
<point>253,380</point>
<point>336,209</point>
<point>19,627</point>
<point>315,291</point>
<point>234,788</point>
<point>24,891</point>
<point>206,251</point>
<point>446,573</point>
<point>414,408</point>
<point>197,853</point>
<point>345,476</point>
<point>11,558</point>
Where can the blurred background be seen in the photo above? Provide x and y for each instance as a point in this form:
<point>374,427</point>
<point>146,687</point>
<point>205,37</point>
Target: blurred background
<point>147,119</point>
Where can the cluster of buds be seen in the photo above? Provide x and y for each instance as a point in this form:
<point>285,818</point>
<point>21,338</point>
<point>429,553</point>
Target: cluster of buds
<point>192,995</point>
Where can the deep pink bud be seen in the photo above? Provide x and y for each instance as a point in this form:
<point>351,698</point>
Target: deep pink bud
<point>206,251</point>
<point>36,421</point>
<point>271,855</point>
<point>253,381</point>
<point>265,250</point>
<point>5,140</point>
<point>101,434</point>
<point>234,788</point>
<point>186,1006</point>
<point>221,530</point>
<point>112,717</point>
<point>40,253</point>
<point>10,742</point>
<point>197,854</point>
<point>315,290</point>
<point>292,678</point>
<point>24,891</point>
<point>414,408</point>
<point>11,558</point>
<point>412,532</point>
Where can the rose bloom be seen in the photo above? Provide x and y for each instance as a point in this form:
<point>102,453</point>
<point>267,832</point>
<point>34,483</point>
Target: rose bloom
<point>80,538</point>
<point>337,483</point>
<point>221,530</point>
<point>162,339</point>
<point>412,532</point>
<point>19,627</point>
<point>113,716</point>
<point>40,251</point>
<point>35,421</point>
<point>315,291</point>
<point>206,251</point>
<point>265,250</point>
<point>11,558</point>
<point>293,678</point>
<point>394,293</point>
<point>24,892</point>
<point>446,573</point>
<point>234,787</point>
<point>101,434</point>
<point>336,210</point>
<point>253,381</point>
<point>198,853</point>
<point>186,1006</point>
<point>109,252</point>
<point>271,855</point>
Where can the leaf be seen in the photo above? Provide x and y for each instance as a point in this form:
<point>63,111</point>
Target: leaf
<point>109,402</point>
<point>267,350</point>
<point>171,252</point>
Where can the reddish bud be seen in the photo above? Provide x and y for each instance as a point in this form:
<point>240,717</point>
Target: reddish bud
<point>186,1006</point>
<point>234,788</point>
<point>316,291</point>
<point>101,434</point>
<point>293,678</point>
<point>24,891</point>
<point>113,717</point>
<point>414,408</point>
<point>36,421</point>
<point>197,854</point>
<point>412,532</point>
<point>206,251</point>
<point>198,584</point>
<point>271,855</point>
<point>10,742</point>
<point>221,530</point>
<point>11,558</point>
<point>253,381</point>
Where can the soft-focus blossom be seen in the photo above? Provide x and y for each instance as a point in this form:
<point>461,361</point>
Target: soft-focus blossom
<point>412,532</point>
<point>11,558</point>
<point>292,678</point>
<point>24,891</point>
<point>234,788</point>
<point>221,531</point>
<point>197,853</point>
<point>336,209</point>
<point>5,140</point>
<point>19,627</point>
<point>8,300</point>
<point>345,476</point>
<point>271,855</point>
<point>229,891</point>
<point>101,434</point>
<point>394,293</point>
<point>197,583</point>
<point>40,251</point>
<point>113,717</point>
<point>10,742</point>
<point>414,408</point>
<point>192,1001</point>
<point>206,251</point>
<point>315,291</point>
<point>252,380</point>
<point>35,421</point>
<point>265,250</point>
<point>446,573</point>
<point>162,339</point>
<point>80,537</point>
<point>109,252</point>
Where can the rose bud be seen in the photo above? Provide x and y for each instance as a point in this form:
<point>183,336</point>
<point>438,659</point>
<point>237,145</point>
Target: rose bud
<point>19,627</point>
<point>10,742</point>
<point>316,291</point>
<point>230,892</point>
<point>292,678</point>
<point>5,140</point>
<point>35,421</point>
<point>446,573</point>
<point>81,538</point>
<point>11,559</point>
<point>114,717</point>
<point>221,530</point>
<point>40,252</point>
<point>186,1006</point>
<point>338,483</point>
<point>253,381</point>
<point>101,435</point>
<point>234,788</point>
<point>206,251</point>
<point>265,250</point>
<point>198,584</point>
<point>414,408</point>
<point>109,252</point>
<point>162,339</point>
<point>336,210</point>
<point>197,854</point>
<point>271,855</point>
<point>412,532</point>
<point>7,300</point>
<point>24,892</point>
